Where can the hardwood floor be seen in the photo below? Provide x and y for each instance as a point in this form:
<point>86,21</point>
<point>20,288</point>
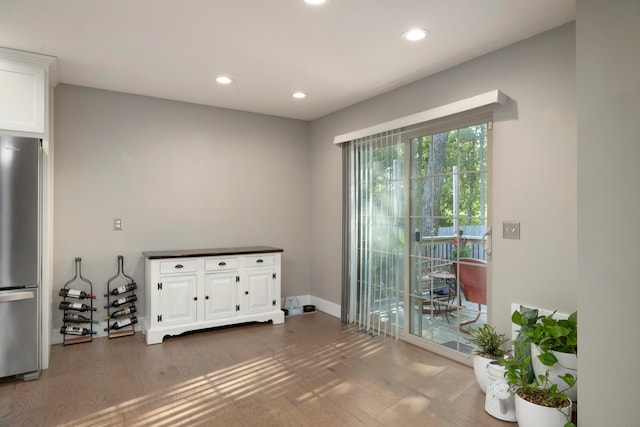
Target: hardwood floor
<point>311,371</point>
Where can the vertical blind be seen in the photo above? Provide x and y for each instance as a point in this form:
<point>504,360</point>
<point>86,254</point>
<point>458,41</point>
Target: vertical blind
<point>373,244</point>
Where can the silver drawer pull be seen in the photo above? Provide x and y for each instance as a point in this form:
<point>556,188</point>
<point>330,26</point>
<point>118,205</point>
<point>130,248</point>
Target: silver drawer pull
<point>179,266</point>
<point>222,263</point>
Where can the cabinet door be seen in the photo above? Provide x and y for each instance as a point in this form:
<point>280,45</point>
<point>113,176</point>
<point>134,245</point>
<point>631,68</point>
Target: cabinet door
<point>177,302</point>
<point>259,292</point>
<point>220,295</point>
<point>22,100</point>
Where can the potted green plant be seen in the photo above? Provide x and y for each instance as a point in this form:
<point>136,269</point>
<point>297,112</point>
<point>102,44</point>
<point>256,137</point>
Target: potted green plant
<point>488,348</point>
<point>554,347</point>
<point>538,400</point>
<point>538,403</point>
<point>460,249</point>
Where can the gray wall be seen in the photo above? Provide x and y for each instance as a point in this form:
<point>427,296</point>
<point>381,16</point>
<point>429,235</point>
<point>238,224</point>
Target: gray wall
<point>609,201</point>
<point>184,175</point>
<point>181,176</point>
<point>534,169</point>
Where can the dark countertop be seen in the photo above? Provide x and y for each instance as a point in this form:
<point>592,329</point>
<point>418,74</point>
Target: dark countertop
<point>187,253</point>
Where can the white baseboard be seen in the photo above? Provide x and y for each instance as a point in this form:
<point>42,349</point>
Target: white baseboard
<point>328,307</point>
<point>321,305</point>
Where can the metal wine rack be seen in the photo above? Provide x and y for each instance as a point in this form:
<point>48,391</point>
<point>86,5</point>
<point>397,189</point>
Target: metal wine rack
<point>78,311</point>
<point>121,317</point>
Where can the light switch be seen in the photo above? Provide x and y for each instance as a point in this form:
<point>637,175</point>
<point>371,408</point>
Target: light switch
<point>511,230</point>
<point>117,224</point>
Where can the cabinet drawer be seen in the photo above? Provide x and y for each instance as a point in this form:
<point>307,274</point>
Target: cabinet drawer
<point>259,261</point>
<point>218,264</point>
<point>178,266</point>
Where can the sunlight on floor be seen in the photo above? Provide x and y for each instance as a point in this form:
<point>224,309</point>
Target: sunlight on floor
<point>203,397</point>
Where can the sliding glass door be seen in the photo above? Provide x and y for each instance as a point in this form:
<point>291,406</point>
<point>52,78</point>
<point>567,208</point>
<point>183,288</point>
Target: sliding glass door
<point>416,216</point>
<point>448,194</point>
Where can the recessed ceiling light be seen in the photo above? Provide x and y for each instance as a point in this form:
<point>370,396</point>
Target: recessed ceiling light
<point>299,95</point>
<point>224,80</point>
<point>314,2</point>
<point>415,34</point>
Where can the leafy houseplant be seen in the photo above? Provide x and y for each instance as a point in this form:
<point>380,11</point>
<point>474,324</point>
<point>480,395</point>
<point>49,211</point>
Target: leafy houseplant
<point>460,249</point>
<point>488,348</point>
<point>540,390</point>
<point>551,334</point>
<point>552,339</point>
<point>487,341</point>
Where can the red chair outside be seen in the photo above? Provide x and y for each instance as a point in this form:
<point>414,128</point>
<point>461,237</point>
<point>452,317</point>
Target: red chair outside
<point>471,274</point>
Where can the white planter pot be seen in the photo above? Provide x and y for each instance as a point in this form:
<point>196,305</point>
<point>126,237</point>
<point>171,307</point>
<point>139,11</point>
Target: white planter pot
<point>532,415</point>
<point>481,370</point>
<point>567,364</point>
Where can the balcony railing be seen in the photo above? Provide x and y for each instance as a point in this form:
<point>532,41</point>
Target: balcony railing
<point>442,247</point>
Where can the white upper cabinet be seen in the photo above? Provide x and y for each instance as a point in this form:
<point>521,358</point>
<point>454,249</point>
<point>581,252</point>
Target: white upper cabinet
<point>22,95</point>
<point>25,79</point>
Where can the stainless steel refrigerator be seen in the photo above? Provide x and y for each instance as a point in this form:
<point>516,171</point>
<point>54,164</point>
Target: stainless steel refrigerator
<point>20,272</point>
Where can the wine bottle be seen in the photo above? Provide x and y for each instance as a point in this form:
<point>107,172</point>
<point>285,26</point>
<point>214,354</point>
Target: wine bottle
<point>121,301</point>
<point>122,323</point>
<point>77,318</point>
<point>75,293</point>
<point>76,330</point>
<point>66,305</point>
<point>123,289</point>
<point>122,312</point>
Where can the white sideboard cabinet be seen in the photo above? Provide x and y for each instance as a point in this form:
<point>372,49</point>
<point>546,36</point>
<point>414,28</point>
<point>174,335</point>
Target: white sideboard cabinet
<point>199,289</point>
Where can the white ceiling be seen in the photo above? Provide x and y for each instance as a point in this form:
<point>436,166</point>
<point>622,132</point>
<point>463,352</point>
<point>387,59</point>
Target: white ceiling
<point>339,53</point>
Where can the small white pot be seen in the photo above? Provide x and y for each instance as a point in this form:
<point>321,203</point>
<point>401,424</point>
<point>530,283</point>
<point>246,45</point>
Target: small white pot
<point>481,370</point>
<point>532,415</point>
<point>567,364</point>
<point>499,402</point>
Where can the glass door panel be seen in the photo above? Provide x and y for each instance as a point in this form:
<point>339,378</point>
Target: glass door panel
<point>448,217</point>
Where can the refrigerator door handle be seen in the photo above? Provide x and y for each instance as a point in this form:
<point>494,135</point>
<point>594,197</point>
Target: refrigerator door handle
<point>16,296</point>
